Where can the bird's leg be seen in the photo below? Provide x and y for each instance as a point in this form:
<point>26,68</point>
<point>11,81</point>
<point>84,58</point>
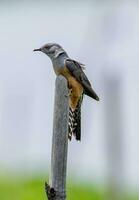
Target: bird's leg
<point>69,93</point>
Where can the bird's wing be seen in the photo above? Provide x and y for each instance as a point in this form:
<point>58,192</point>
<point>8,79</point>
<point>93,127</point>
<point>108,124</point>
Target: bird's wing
<point>76,70</point>
<point>81,64</point>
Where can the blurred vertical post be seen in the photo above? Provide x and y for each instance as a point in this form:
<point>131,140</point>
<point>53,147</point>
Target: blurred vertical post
<point>114,133</point>
<point>57,188</point>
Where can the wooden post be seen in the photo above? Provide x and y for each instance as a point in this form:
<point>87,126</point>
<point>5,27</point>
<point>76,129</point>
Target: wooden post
<point>56,190</point>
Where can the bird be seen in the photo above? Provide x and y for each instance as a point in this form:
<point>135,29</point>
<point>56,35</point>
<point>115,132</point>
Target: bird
<point>77,82</point>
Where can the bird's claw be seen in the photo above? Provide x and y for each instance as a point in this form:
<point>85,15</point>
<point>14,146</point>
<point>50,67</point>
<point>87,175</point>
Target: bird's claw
<point>69,93</point>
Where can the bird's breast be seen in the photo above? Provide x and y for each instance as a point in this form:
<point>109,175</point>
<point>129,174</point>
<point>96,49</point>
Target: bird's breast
<point>74,85</point>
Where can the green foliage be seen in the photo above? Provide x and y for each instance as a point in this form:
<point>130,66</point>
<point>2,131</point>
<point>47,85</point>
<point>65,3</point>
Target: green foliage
<point>21,189</point>
<point>31,188</point>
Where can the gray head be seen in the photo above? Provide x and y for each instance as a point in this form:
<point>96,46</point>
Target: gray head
<point>52,50</point>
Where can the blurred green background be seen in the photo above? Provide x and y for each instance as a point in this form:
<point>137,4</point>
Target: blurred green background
<point>14,187</point>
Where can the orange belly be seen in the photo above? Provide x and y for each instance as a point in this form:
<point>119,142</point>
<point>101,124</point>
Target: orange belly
<point>76,92</point>
<point>75,87</point>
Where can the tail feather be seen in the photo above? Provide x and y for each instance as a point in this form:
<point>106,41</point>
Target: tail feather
<point>75,121</point>
<point>77,124</point>
<point>71,122</point>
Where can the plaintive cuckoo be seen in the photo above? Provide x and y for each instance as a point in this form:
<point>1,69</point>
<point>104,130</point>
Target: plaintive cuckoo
<point>78,84</point>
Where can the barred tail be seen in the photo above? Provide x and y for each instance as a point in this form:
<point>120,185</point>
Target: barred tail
<point>75,121</point>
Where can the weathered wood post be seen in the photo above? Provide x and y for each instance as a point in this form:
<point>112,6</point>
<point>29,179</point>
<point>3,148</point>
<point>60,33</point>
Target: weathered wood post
<point>56,190</point>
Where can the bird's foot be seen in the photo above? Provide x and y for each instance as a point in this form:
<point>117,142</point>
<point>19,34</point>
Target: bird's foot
<point>69,93</point>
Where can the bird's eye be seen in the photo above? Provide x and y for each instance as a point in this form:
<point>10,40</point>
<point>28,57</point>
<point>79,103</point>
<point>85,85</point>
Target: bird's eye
<point>47,48</point>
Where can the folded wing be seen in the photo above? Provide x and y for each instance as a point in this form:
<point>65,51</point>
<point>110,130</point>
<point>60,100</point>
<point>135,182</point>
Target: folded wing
<point>76,70</point>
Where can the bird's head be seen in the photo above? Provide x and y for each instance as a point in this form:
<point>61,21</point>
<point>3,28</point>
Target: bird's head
<point>52,50</point>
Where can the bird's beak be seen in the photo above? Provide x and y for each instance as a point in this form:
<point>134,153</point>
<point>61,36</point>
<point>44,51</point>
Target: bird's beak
<point>37,49</point>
